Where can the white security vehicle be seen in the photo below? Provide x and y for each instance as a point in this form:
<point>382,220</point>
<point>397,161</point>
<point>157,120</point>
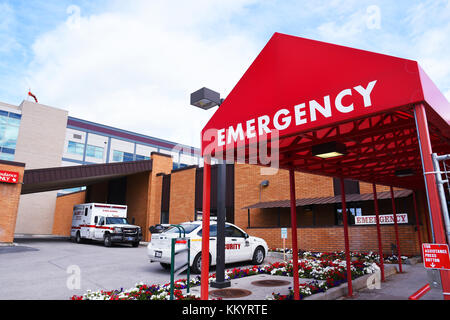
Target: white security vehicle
<point>103,222</point>
<point>239,246</point>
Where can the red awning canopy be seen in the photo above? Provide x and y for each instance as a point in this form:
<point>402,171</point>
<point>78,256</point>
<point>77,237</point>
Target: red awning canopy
<point>300,93</point>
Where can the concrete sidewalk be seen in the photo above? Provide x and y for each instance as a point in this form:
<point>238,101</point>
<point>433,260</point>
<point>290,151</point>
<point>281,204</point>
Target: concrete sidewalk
<point>400,286</point>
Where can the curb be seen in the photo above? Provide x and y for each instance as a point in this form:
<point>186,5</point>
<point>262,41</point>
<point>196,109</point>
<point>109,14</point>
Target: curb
<point>8,244</point>
<point>19,236</point>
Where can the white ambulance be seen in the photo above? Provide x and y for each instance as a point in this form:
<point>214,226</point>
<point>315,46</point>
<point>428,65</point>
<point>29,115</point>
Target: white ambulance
<point>239,246</point>
<point>103,222</point>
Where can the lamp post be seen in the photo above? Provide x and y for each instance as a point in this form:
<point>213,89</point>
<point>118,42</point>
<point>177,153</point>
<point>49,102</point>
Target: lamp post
<point>205,99</point>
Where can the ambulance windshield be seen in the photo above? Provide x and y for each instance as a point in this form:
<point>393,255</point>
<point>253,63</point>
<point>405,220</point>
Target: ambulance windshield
<point>116,220</point>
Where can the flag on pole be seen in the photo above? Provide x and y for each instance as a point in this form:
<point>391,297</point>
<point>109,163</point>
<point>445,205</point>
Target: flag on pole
<point>32,95</point>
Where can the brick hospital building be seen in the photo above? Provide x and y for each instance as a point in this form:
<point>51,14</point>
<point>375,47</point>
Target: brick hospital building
<point>90,162</point>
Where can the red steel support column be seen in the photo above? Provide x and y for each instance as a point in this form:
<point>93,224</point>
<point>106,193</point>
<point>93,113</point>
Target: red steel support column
<point>432,192</point>
<point>346,241</point>
<point>427,223</point>
<point>397,240</point>
<point>294,233</point>
<point>416,212</point>
<point>205,229</point>
<point>377,218</point>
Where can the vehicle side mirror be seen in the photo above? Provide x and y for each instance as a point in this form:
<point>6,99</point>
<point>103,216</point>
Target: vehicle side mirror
<point>246,236</point>
<point>133,220</point>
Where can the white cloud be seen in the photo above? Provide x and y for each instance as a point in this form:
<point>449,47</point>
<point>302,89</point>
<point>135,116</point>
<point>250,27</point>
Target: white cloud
<point>134,67</point>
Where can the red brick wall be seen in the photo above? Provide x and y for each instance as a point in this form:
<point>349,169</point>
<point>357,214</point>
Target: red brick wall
<point>182,196</point>
<point>9,201</point>
<point>161,164</point>
<point>62,221</point>
<point>248,192</point>
<point>137,198</point>
<point>362,238</point>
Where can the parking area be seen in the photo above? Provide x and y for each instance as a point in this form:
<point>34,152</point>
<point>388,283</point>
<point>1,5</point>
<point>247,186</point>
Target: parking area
<point>45,268</point>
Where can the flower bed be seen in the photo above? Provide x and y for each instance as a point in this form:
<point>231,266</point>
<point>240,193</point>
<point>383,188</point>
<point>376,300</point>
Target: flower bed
<point>139,292</point>
<point>305,290</point>
<point>327,269</point>
<point>362,256</point>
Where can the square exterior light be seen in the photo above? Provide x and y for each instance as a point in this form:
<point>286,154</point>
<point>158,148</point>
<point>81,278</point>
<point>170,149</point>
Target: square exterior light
<point>404,173</point>
<point>205,98</point>
<point>329,150</point>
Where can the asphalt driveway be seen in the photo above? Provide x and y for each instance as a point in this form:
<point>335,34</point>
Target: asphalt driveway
<point>45,269</point>
<point>52,269</point>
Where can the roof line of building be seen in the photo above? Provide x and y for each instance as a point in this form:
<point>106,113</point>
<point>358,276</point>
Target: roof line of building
<point>329,200</point>
<point>48,179</point>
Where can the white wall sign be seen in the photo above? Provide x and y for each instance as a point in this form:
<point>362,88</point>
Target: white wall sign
<point>384,219</point>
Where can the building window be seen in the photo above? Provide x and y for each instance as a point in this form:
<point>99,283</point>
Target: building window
<point>9,132</point>
<point>6,156</point>
<point>139,157</point>
<point>120,156</point>
<point>75,148</point>
<point>353,210</point>
<point>8,150</point>
<point>94,152</point>
<point>117,156</point>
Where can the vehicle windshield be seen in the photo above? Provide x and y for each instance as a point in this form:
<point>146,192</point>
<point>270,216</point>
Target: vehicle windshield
<point>188,228</point>
<point>116,220</point>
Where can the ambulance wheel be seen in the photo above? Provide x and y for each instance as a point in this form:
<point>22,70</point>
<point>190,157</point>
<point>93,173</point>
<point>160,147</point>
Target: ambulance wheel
<point>258,256</point>
<point>107,240</point>
<point>135,244</point>
<point>78,238</point>
<point>197,264</point>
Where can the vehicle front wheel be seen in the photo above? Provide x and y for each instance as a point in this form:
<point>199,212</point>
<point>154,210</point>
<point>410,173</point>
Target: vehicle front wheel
<point>258,256</point>
<point>107,240</point>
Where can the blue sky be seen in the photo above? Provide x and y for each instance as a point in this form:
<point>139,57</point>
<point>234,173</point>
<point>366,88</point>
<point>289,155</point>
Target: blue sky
<point>132,64</point>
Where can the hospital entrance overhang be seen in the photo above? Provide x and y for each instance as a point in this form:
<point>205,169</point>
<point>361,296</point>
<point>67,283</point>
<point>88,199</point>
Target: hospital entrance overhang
<point>336,111</point>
